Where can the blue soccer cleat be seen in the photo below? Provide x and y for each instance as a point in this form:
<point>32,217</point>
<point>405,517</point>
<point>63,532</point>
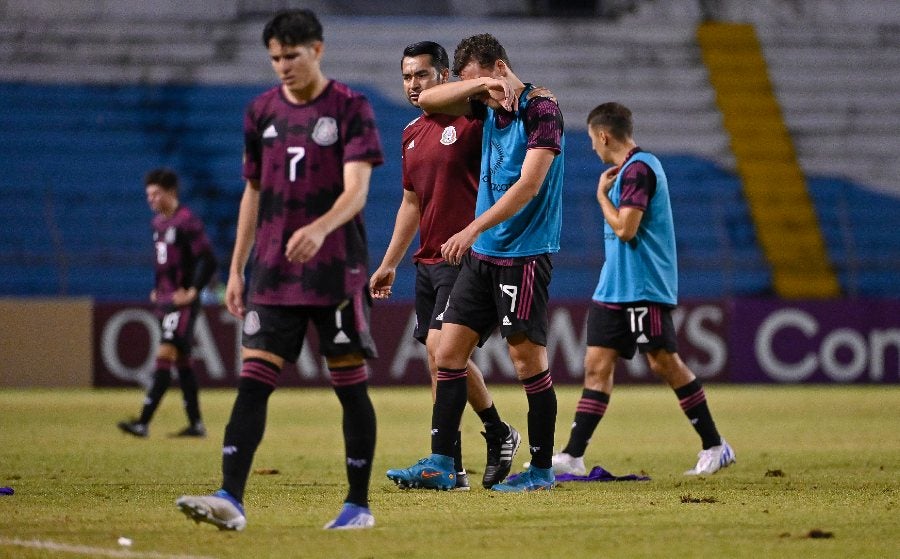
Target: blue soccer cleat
<point>352,517</point>
<point>434,472</point>
<point>219,509</point>
<point>532,479</point>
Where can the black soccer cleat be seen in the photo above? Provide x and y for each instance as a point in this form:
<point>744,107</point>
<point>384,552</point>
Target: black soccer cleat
<point>134,427</point>
<point>196,430</point>
<point>500,453</point>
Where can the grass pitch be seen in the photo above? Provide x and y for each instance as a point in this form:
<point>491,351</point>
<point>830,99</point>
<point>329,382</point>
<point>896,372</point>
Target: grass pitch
<point>817,476</point>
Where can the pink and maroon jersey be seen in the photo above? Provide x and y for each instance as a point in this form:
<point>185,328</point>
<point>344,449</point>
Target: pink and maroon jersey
<point>441,162</point>
<point>638,184</point>
<point>184,256</point>
<point>297,154</point>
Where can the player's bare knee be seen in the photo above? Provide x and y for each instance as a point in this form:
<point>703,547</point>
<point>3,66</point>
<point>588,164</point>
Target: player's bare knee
<point>596,377</point>
<point>669,367</point>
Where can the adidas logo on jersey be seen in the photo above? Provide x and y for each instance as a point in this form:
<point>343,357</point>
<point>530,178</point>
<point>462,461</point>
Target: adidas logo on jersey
<point>506,321</point>
<point>341,338</point>
<point>411,145</point>
<point>270,132</point>
<point>642,339</point>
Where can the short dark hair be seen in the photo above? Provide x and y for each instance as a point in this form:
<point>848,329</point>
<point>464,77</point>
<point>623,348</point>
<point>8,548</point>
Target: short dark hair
<point>614,117</point>
<point>485,49</point>
<point>439,58</point>
<point>166,178</point>
<point>293,27</point>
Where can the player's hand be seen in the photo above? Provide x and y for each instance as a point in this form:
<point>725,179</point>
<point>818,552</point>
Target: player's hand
<point>502,92</point>
<point>607,179</point>
<point>304,244</point>
<point>152,295</point>
<point>540,91</point>
<point>183,297</point>
<point>457,246</point>
<point>381,281</point>
<point>234,295</point>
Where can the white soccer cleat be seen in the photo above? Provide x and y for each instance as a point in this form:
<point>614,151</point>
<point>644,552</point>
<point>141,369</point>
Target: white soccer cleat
<point>352,517</point>
<point>567,464</point>
<point>712,460</point>
<point>219,509</point>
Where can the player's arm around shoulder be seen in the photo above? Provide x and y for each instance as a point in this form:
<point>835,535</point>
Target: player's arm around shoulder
<point>541,91</point>
<point>454,98</point>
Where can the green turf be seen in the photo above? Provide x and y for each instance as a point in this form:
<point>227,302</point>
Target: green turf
<point>810,459</point>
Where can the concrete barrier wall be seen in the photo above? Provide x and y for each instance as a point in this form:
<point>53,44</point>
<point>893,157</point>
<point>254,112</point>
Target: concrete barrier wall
<point>46,343</point>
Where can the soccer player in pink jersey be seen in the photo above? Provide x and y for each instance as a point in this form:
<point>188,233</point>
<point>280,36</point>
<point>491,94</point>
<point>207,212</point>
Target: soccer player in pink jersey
<point>310,146</point>
<point>184,265</point>
<point>441,160</point>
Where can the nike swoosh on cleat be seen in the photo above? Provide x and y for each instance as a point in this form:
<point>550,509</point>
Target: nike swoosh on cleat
<point>428,475</point>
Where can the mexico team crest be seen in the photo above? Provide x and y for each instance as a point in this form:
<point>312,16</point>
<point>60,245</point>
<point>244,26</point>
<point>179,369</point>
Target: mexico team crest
<point>448,136</point>
<point>251,323</point>
<point>326,131</point>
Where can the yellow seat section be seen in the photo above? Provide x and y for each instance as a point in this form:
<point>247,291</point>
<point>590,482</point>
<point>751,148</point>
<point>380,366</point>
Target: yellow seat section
<point>773,182</point>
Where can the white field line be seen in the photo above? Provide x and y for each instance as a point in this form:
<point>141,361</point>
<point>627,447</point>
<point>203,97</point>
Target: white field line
<point>93,551</point>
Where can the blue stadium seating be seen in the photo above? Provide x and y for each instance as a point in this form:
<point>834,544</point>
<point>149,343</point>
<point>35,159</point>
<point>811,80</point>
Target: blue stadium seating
<point>71,196</point>
<point>860,235</point>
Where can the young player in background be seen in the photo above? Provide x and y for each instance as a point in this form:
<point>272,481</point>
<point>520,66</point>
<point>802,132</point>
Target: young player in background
<point>184,265</point>
<point>638,288</point>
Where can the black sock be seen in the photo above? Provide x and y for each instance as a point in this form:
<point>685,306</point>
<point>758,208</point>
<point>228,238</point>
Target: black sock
<point>359,427</point>
<point>588,414</point>
<point>541,418</point>
<point>190,392</point>
<point>692,400</point>
<point>457,453</point>
<point>490,418</point>
<point>161,380</point>
<point>449,404</point>
<point>247,424</point>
